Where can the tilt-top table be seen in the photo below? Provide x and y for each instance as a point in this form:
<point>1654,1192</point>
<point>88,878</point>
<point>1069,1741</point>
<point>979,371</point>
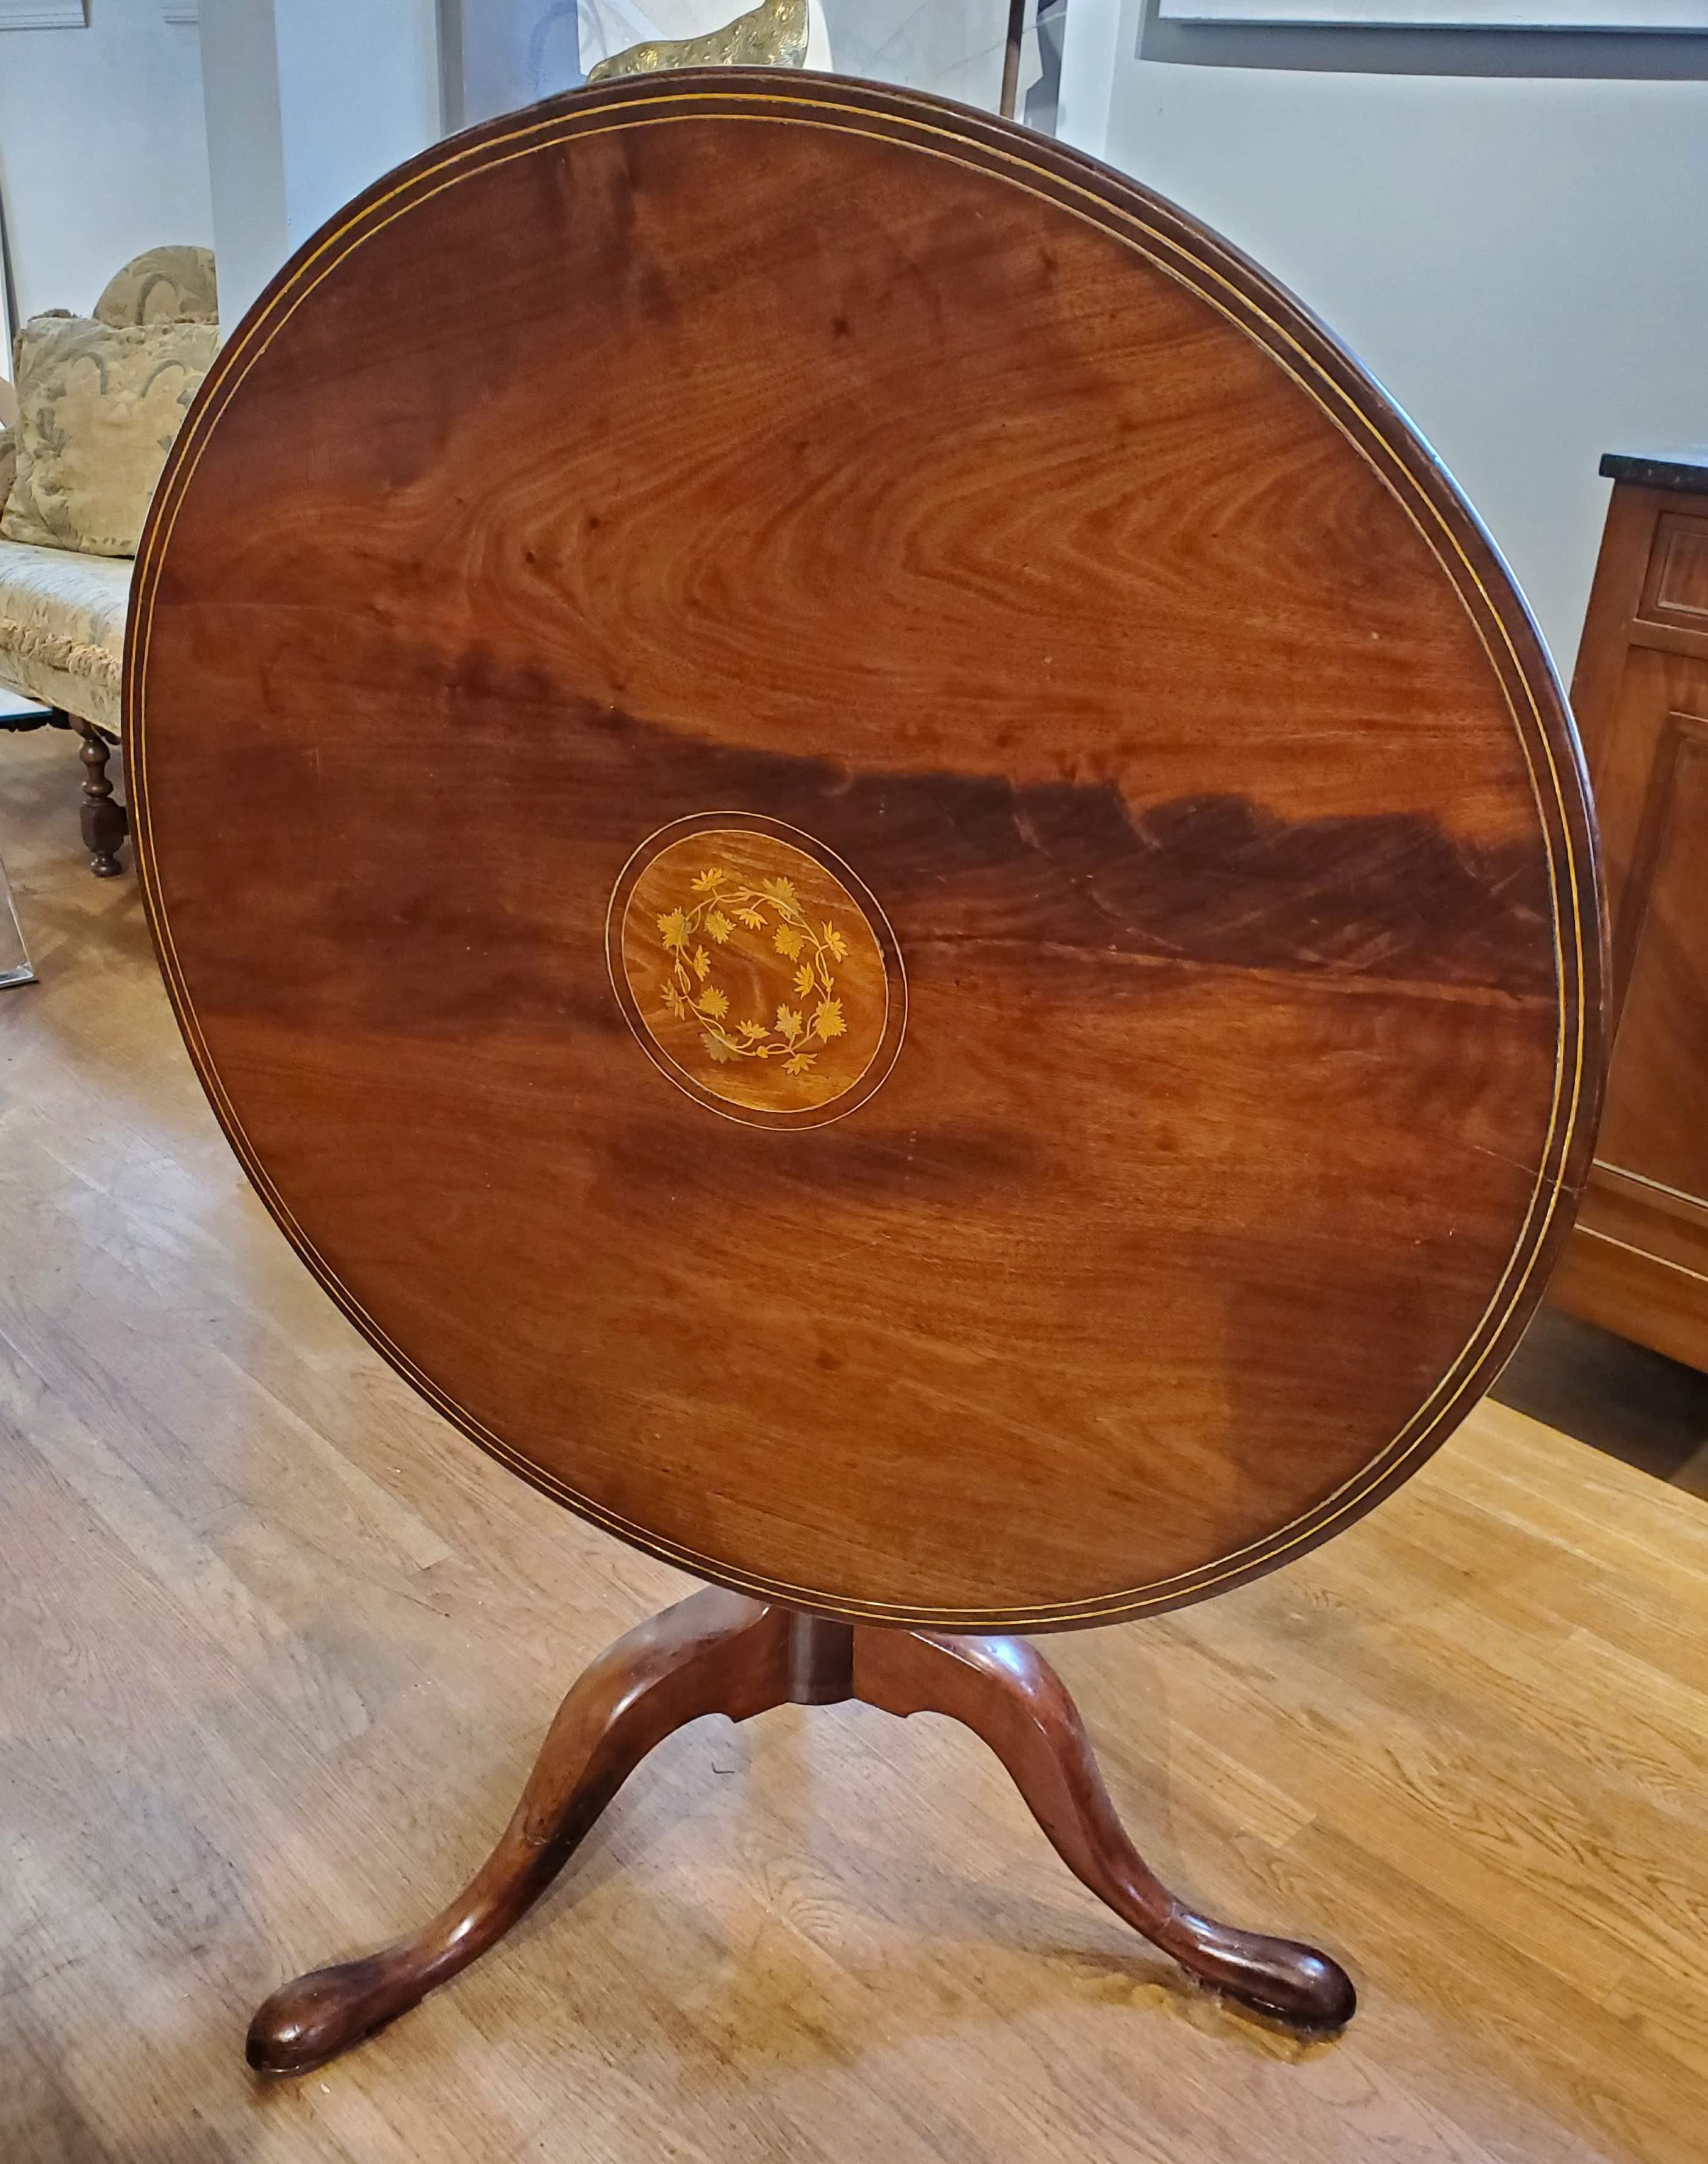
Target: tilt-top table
<point>879,874</point>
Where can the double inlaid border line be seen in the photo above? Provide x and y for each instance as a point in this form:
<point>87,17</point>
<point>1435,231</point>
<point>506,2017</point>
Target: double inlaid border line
<point>1309,356</point>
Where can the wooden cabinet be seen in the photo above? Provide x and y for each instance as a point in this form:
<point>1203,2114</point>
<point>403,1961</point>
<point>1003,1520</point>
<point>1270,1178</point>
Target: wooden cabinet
<point>1638,1262</point>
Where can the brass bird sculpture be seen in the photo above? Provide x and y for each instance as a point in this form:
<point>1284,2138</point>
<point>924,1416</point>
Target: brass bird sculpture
<point>773,34</point>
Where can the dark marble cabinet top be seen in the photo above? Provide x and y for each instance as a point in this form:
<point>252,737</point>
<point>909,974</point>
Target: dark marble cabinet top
<point>1683,467</point>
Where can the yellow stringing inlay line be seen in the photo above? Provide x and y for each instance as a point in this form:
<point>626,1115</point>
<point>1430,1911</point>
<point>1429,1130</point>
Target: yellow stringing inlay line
<point>1309,373</point>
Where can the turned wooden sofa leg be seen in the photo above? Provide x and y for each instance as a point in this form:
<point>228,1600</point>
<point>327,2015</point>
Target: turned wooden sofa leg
<point>105,823</point>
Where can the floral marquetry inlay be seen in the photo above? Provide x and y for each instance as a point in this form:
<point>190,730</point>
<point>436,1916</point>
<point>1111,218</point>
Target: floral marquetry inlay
<point>753,974</point>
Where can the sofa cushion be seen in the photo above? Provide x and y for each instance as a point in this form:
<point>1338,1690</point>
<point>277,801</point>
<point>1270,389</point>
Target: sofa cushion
<point>98,409</point>
<point>163,285</point>
<point>62,627</point>
<point>8,464</point>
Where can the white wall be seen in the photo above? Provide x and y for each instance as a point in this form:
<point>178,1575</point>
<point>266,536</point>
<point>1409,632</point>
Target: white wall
<point>1523,263</point>
<point>101,152</point>
<point>953,48</point>
<point>306,101</point>
<point>359,80</point>
<point>243,130</point>
<point>513,51</point>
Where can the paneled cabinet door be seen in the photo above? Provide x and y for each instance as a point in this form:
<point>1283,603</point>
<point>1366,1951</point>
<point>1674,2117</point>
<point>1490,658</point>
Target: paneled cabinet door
<point>1638,1263</point>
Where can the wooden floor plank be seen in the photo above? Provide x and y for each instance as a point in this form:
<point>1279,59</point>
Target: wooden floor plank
<point>277,1648</point>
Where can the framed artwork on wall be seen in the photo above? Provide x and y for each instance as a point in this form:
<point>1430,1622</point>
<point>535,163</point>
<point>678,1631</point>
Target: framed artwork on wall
<point>44,14</point>
<point>1626,15</point>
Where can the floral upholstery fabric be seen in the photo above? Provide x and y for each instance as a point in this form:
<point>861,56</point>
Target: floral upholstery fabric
<point>165,285</point>
<point>62,621</point>
<point>124,379</point>
<point>98,410</point>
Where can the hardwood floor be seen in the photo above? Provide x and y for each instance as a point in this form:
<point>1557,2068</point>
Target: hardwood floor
<point>278,1649</point>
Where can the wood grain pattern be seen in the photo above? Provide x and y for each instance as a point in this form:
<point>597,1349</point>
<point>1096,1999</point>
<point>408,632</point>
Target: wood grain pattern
<point>277,1648</point>
<point>1634,1287</point>
<point>1639,1261</point>
<point>1656,1123</point>
<point>104,821</point>
<point>714,1652</point>
<point>1677,584</point>
<point>763,982</point>
<point>840,458</point>
<point>717,1653</point>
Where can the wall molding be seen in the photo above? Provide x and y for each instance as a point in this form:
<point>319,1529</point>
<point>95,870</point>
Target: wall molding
<point>1372,49</point>
<point>44,15</point>
<point>1636,18</point>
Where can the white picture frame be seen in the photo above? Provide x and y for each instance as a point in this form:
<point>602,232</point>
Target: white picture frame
<point>1637,16</point>
<point>44,15</point>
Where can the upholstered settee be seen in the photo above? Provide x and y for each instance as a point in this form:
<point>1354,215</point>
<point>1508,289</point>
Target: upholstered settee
<point>63,609</point>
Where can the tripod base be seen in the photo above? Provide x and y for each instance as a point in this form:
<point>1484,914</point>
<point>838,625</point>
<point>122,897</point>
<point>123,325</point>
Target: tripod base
<point>717,1652</point>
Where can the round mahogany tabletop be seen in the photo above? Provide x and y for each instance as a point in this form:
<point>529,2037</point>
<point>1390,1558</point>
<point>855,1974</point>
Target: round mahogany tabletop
<point>865,854</point>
